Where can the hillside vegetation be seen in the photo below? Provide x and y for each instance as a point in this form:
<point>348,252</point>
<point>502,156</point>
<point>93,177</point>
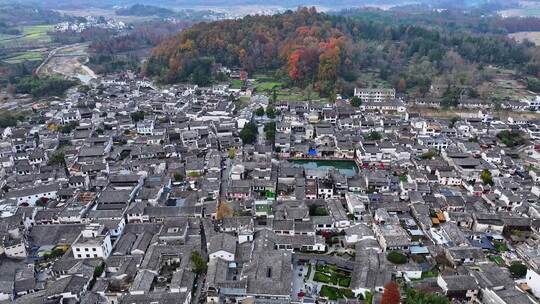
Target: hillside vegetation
<point>333,53</point>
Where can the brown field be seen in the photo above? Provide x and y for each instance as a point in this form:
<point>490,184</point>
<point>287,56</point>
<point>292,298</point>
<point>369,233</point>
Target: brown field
<point>69,61</point>
<point>464,113</point>
<point>531,36</point>
<point>507,83</point>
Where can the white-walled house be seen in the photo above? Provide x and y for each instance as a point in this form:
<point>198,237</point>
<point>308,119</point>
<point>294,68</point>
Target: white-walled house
<point>355,204</point>
<point>222,246</point>
<point>448,178</point>
<point>31,195</point>
<point>533,104</point>
<point>15,249</point>
<point>93,242</point>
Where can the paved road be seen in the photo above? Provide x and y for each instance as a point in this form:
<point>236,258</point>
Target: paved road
<point>299,273</point>
<point>224,176</point>
<point>199,297</point>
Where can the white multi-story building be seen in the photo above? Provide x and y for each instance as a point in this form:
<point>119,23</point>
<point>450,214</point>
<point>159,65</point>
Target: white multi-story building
<point>93,242</point>
<point>145,127</point>
<point>15,249</point>
<point>533,104</point>
<point>375,95</point>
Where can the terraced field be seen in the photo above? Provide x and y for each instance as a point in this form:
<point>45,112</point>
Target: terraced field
<point>35,35</point>
<point>33,44</point>
<point>35,55</point>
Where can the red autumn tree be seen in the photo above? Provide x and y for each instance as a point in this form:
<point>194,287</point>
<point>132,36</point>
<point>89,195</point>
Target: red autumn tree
<point>303,63</point>
<point>294,60</point>
<point>391,294</point>
<point>402,85</point>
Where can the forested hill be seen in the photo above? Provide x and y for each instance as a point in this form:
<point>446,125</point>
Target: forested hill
<point>330,52</point>
<point>305,43</point>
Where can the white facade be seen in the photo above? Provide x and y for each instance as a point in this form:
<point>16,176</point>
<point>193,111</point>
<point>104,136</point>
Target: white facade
<point>222,254</point>
<point>533,281</point>
<point>355,205</point>
<point>377,95</point>
<point>92,243</point>
<point>32,196</point>
<point>145,127</point>
<point>448,178</point>
<point>17,251</point>
<point>533,104</point>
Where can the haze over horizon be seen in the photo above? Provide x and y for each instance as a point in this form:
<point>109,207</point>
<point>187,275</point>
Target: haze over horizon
<point>226,3</point>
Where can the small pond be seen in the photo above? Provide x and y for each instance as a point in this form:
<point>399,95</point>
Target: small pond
<point>345,167</point>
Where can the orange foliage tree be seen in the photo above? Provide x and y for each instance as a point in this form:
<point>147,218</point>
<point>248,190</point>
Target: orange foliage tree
<point>223,210</point>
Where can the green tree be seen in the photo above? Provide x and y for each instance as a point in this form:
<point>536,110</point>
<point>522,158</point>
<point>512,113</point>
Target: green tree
<point>43,86</point>
<point>55,253</point>
<point>486,177</point>
<point>533,84</point>
<point>202,72</point>
<point>137,116</point>
<point>511,138</point>
<point>249,133</point>
<point>271,112</point>
<point>419,297</point>
<point>270,131</point>
<point>232,153</point>
<point>429,155</point>
<point>396,257</point>
<point>8,119</point>
<point>374,136</point>
<point>58,158</point>
<point>178,177</point>
<point>518,270</point>
<point>369,298</point>
<point>356,101</point>
<point>260,111</point>
<point>451,97</point>
<point>199,264</point>
<point>83,88</point>
<point>221,77</point>
<point>66,129</point>
<point>315,210</point>
<point>194,174</point>
<point>98,271</point>
<point>274,95</point>
<point>453,121</point>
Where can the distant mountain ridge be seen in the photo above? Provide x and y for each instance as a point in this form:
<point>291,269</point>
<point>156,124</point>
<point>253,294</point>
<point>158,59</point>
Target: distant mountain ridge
<point>229,3</point>
<point>145,10</point>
